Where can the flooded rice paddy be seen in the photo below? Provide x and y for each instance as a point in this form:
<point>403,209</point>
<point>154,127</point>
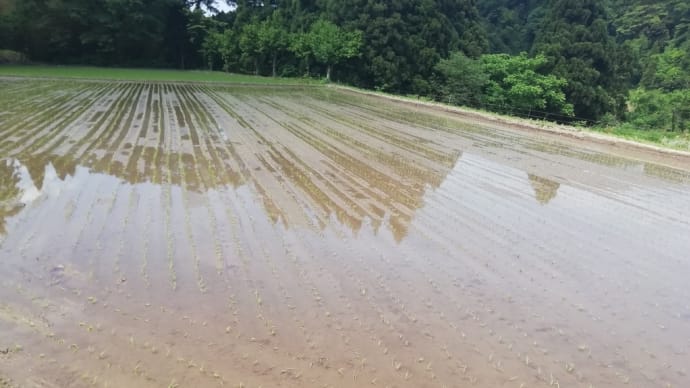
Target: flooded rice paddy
<point>164,235</point>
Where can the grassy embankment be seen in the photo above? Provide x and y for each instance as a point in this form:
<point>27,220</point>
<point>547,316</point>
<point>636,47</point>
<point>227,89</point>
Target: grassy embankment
<point>679,141</point>
<point>667,139</point>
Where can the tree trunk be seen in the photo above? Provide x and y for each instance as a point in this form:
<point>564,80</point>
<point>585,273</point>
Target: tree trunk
<point>328,73</point>
<point>674,120</point>
<point>256,66</point>
<point>275,60</point>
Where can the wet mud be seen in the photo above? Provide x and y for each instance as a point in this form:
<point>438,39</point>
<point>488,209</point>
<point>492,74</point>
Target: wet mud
<point>158,234</point>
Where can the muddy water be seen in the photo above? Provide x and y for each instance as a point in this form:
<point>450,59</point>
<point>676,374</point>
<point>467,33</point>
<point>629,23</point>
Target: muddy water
<point>182,235</point>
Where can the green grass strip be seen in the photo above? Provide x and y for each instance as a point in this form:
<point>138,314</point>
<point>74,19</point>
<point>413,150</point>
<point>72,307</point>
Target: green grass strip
<point>123,74</point>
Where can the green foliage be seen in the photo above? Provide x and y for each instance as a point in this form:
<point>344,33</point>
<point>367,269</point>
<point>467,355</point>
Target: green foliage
<point>230,50</point>
<point>462,80</point>
<point>249,44</point>
<point>6,23</point>
<point>519,82</point>
<point>677,140</point>
<point>584,55</point>
<point>388,44</point>
<point>210,33</point>
<point>671,70</point>
<point>504,82</point>
<point>272,39</point>
<point>653,24</point>
<point>660,110</point>
<point>511,25</point>
<point>330,45</point>
<point>212,49</point>
<point>113,32</point>
<point>575,38</point>
<point>405,39</point>
<point>300,46</point>
<point>259,41</point>
<point>11,57</point>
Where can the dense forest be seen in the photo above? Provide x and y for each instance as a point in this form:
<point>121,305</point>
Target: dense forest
<point>591,61</point>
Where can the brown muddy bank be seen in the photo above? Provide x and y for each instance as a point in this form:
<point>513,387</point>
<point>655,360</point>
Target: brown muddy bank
<point>196,235</point>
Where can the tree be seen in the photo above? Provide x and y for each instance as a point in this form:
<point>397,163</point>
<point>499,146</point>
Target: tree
<point>212,49</point>
<point>653,24</point>
<point>272,39</point>
<point>331,45</point>
<point>249,44</point>
<point>6,24</point>
<point>403,40</point>
<point>230,51</point>
<point>658,109</point>
<point>300,46</point>
<point>465,22</point>
<point>575,38</point>
<point>199,29</point>
<point>462,80</point>
<point>511,24</point>
<point>671,70</point>
<point>520,82</point>
<point>505,83</point>
<point>664,100</point>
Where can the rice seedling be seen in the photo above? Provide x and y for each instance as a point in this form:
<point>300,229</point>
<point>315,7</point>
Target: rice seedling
<point>355,241</point>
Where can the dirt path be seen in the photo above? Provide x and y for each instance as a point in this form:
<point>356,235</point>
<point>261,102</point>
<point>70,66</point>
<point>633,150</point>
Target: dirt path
<point>197,235</point>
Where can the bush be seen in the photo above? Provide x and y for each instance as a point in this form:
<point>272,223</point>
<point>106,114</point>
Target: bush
<point>657,109</point>
<point>9,57</point>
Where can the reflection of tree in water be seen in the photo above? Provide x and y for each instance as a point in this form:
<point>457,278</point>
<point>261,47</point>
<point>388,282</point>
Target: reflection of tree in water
<point>22,181</point>
<point>398,196</point>
<point>667,173</point>
<point>544,189</point>
<point>317,164</point>
<point>9,193</point>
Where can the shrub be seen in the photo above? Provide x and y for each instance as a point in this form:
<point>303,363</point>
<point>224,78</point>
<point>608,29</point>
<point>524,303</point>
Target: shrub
<point>9,57</point>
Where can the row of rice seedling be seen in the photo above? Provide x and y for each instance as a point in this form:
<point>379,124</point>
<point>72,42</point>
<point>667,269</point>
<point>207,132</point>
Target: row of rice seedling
<point>37,141</point>
<point>392,133</point>
<point>51,344</point>
<point>37,110</point>
<point>167,181</point>
<point>242,257</point>
<point>107,165</point>
<point>187,167</point>
<point>259,298</point>
<point>526,268</point>
<point>404,157</point>
<point>439,284</point>
<point>317,295</point>
<point>205,171</point>
<point>395,258</point>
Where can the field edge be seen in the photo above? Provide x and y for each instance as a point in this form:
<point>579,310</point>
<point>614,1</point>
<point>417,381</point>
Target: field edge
<point>521,124</point>
<point>94,73</point>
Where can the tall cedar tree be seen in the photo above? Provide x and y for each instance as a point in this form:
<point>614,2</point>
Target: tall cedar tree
<point>575,37</point>
<point>511,25</point>
<point>404,39</point>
